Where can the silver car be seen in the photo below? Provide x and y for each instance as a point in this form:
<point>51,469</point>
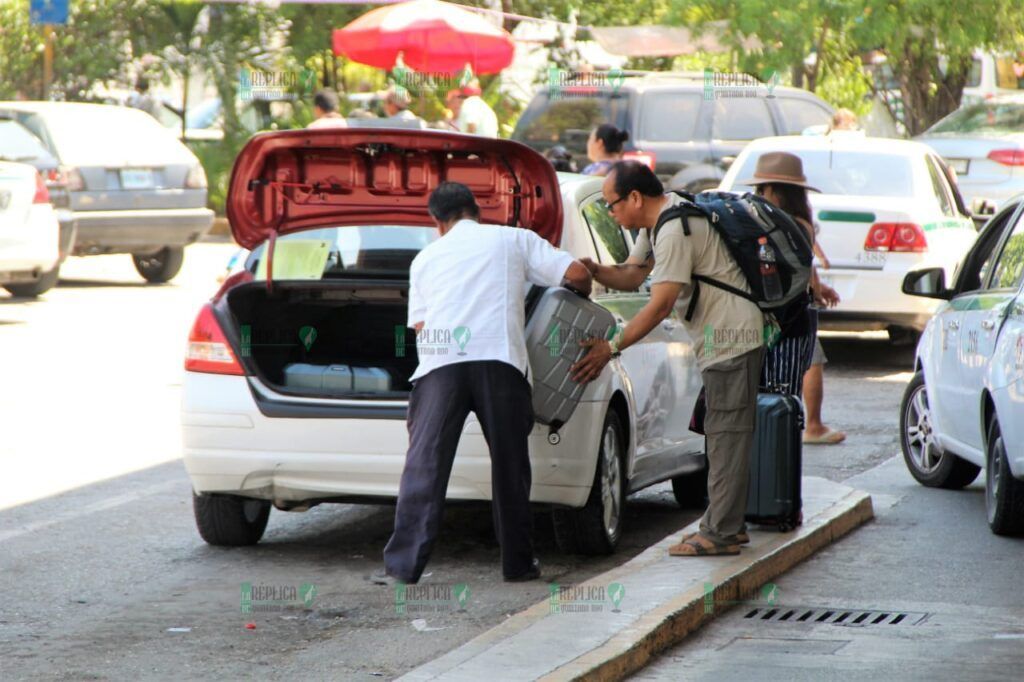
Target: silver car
<point>134,187</point>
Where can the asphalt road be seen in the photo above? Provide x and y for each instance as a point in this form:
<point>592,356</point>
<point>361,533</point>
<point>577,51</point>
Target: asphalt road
<point>106,578</point>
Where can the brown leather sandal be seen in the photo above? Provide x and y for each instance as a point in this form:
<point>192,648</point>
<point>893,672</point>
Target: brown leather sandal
<point>741,538</point>
<point>698,545</point>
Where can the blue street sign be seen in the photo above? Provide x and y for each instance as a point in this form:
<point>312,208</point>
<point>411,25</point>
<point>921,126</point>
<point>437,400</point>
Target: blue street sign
<point>48,11</point>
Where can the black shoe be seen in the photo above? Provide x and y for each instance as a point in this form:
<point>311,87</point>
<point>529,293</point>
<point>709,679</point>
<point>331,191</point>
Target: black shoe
<point>381,577</point>
<point>532,573</point>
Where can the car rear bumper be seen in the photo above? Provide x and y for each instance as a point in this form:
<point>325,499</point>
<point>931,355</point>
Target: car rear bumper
<point>231,447</point>
<point>139,231</point>
<point>873,300</point>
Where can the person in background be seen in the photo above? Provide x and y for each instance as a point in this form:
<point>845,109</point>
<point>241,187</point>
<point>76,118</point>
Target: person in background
<point>325,111</point>
<point>779,178</point>
<point>561,159</point>
<point>471,281</point>
<point>453,105</point>
<point>604,148</point>
<point>142,99</point>
<point>843,119</point>
<point>396,106</point>
<point>475,116</point>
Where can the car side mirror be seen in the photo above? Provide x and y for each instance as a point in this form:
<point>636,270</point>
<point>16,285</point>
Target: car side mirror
<point>928,283</point>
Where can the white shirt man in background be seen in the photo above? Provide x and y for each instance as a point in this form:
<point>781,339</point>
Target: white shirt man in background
<point>475,116</point>
<point>466,302</point>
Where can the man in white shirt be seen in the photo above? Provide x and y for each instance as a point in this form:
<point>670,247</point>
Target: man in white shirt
<point>466,302</point>
<point>475,115</point>
<point>325,111</point>
<point>396,106</point>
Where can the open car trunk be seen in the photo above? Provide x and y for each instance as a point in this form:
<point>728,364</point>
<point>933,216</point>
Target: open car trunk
<point>344,339</point>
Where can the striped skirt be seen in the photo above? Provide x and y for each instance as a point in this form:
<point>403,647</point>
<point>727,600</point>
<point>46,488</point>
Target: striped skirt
<point>786,362</point>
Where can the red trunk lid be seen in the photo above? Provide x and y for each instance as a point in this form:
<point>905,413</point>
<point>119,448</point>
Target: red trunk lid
<point>297,180</point>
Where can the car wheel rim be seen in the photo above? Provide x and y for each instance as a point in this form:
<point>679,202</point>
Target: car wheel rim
<point>611,486</point>
<point>993,474</point>
<point>251,509</point>
<point>924,451</point>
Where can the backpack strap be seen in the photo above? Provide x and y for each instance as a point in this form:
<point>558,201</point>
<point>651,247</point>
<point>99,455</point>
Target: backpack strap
<point>680,212</point>
<point>697,279</point>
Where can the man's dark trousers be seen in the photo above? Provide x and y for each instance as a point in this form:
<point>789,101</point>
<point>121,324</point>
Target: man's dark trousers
<point>499,395</point>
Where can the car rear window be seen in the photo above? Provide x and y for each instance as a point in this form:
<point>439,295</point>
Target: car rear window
<point>668,116</point>
<point>567,120</point>
<point>854,173</point>
<point>983,117</point>
<point>18,144</point>
<point>381,250</point>
<point>109,136</point>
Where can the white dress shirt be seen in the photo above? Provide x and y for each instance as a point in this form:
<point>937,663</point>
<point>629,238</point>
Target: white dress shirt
<point>468,289</point>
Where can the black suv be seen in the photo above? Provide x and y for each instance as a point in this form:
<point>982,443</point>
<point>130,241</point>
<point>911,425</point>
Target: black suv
<point>691,131</point>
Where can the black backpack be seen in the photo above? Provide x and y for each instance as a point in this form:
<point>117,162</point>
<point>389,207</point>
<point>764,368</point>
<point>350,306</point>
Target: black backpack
<point>741,220</point>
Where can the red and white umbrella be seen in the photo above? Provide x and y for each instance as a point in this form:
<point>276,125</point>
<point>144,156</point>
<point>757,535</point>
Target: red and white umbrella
<point>432,36</point>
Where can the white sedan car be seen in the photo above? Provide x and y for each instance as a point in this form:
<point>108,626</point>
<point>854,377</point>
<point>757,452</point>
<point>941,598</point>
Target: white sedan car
<point>346,214</point>
<point>964,408</point>
<point>29,231</point>
<point>886,207</point>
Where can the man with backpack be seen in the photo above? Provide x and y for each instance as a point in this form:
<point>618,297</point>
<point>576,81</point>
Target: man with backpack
<point>728,331</point>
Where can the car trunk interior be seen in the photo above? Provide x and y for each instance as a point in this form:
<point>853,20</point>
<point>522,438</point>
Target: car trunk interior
<point>355,328</point>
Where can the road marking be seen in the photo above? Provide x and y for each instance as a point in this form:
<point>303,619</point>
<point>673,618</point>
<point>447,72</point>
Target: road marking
<point>102,505</point>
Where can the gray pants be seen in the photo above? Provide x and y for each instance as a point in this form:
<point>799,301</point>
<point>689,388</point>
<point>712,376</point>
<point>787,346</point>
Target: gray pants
<point>731,393</point>
<point>499,395</point>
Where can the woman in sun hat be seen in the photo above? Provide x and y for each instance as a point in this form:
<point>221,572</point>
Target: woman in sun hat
<point>796,360</point>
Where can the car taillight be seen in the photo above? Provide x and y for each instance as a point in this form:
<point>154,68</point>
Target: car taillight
<point>55,176</point>
<point>196,178</point>
<point>42,194</point>
<point>897,237</point>
<point>1007,157</point>
<point>208,349</point>
<point>73,179</point>
<point>646,158</point>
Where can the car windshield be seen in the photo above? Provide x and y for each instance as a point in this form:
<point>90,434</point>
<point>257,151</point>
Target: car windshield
<point>371,250</point>
<point>567,117</point>
<point>854,173</point>
<point>18,144</point>
<point>111,135</point>
<point>984,117</point>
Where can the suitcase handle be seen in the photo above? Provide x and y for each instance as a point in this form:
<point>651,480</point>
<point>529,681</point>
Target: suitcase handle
<point>576,291</point>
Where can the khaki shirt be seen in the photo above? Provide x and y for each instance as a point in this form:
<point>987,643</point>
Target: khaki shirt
<point>724,325</point>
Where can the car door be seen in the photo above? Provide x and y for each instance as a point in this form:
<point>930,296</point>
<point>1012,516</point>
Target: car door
<point>646,362</point>
<point>984,313</point>
<point>1006,379</point>
<point>796,114</point>
<point>947,395</point>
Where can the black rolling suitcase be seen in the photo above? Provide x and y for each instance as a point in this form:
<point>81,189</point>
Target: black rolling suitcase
<point>773,497</point>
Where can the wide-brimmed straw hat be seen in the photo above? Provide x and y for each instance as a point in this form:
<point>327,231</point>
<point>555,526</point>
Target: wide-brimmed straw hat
<point>779,167</point>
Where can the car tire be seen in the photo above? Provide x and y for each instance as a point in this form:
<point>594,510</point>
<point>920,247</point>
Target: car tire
<point>1004,494</point>
<point>903,336</point>
<point>691,490</point>
<point>47,281</point>
<point>230,520</point>
<point>161,266</point>
<point>927,462</point>
<point>595,529</point>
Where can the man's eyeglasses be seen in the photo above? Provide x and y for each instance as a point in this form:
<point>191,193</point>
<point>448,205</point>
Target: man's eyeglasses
<point>610,205</point>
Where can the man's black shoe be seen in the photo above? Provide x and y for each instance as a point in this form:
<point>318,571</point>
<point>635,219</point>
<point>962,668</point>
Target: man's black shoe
<point>532,573</point>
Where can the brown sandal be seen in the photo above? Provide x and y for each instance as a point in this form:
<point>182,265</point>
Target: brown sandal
<point>741,538</point>
<point>693,546</point>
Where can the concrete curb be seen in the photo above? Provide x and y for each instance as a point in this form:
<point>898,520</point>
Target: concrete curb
<point>674,602</point>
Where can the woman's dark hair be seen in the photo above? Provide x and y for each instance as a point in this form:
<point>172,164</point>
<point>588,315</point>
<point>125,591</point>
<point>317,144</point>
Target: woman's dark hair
<point>792,200</point>
<point>633,175</point>
<point>327,100</point>
<point>561,159</point>
<point>611,136</point>
<point>451,201</point>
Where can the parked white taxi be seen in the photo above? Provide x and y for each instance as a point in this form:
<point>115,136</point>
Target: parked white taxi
<point>334,218</point>
<point>886,207</point>
<point>964,408</point>
<point>29,231</point>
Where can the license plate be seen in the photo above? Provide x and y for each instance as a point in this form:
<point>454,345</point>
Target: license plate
<point>137,178</point>
<point>959,165</point>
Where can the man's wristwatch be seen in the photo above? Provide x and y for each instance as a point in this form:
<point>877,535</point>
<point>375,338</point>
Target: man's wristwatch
<point>613,343</point>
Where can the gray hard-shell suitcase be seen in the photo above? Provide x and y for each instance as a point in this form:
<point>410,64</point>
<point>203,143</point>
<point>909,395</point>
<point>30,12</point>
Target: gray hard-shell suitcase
<point>773,497</point>
<point>557,320</point>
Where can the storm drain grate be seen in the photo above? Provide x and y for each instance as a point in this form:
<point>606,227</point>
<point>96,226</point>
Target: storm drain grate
<point>815,615</point>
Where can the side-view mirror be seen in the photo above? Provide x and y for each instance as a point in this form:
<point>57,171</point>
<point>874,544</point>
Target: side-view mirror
<point>928,283</point>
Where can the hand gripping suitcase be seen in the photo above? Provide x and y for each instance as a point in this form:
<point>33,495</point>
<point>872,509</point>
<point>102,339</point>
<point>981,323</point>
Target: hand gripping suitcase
<point>773,497</point>
<point>557,321</point>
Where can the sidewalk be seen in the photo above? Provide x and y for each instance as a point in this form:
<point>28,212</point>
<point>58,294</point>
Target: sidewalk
<point>646,605</point>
